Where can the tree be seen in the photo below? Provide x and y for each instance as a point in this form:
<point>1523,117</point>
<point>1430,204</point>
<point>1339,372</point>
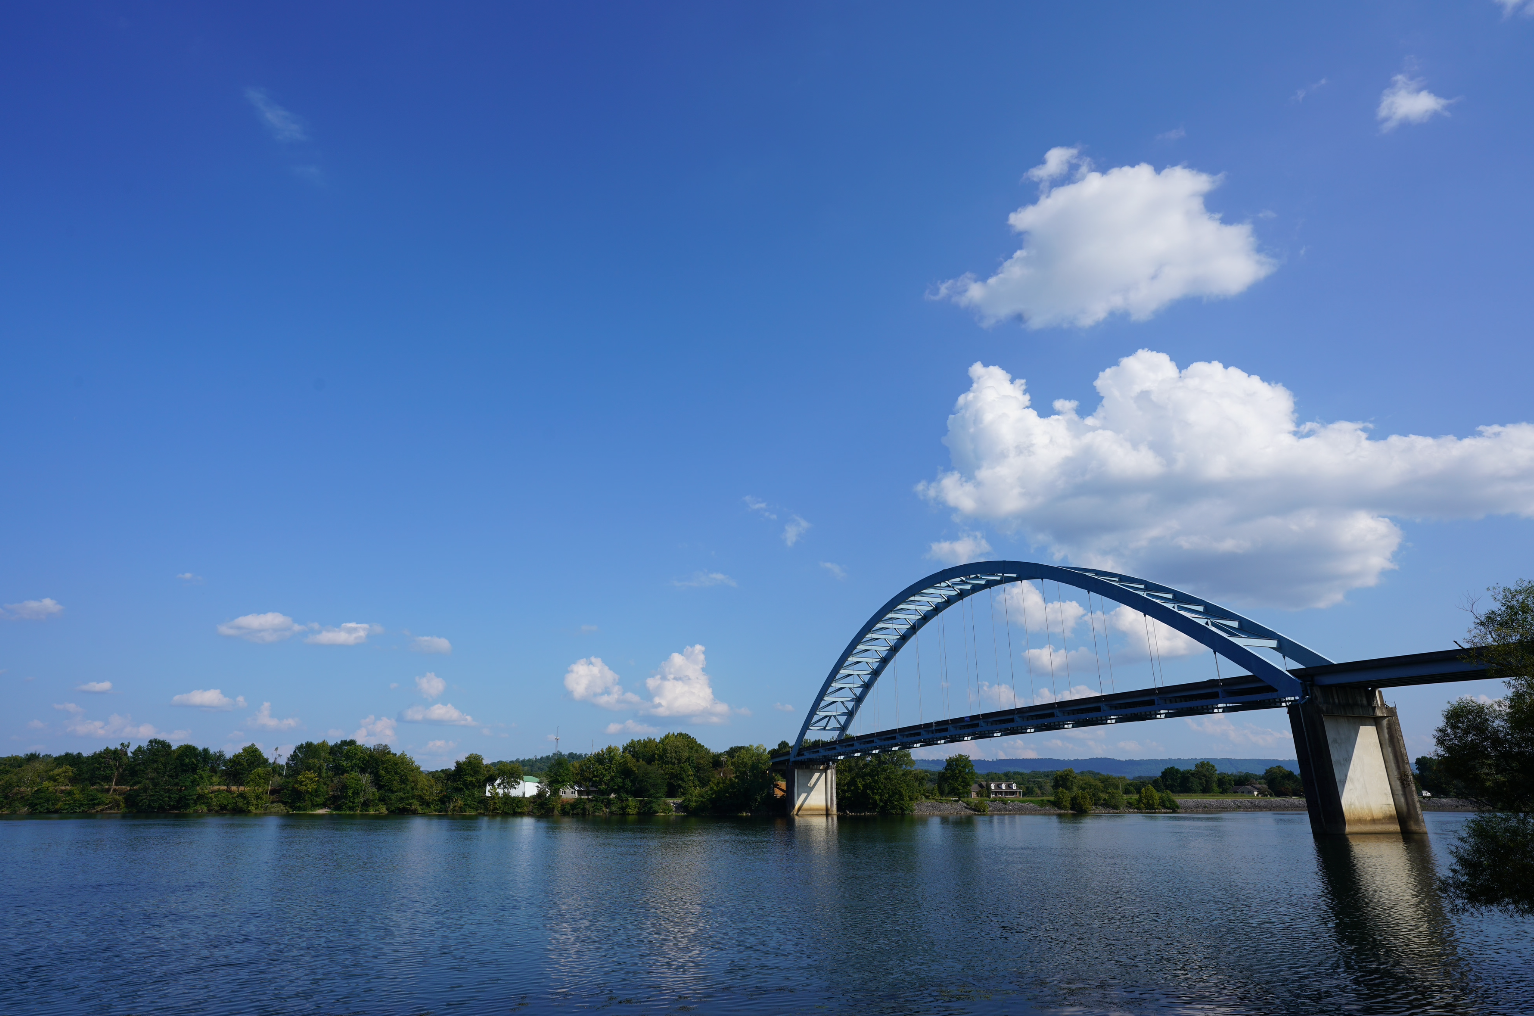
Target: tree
<point>1205,778</point>
<point>1150,799</point>
<point>742,785</point>
<point>1486,750</point>
<point>559,775</point>
<point>957,777</point>
<point>1282,783</point>
<point>884,784</point>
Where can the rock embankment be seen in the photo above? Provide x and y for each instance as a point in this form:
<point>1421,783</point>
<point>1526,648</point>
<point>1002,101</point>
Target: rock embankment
<point>1242,804</point>
<point>1447,804</point>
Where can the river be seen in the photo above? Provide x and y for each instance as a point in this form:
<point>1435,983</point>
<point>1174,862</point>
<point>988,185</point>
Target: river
<point>1234,913</point>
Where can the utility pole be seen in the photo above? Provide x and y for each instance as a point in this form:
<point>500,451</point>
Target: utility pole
<point>556,740</point>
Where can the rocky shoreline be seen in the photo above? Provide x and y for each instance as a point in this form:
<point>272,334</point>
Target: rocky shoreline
<point>1195,805</point>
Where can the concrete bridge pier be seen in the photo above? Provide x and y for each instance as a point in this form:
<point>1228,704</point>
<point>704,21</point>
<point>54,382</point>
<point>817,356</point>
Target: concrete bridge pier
<point>1354,764</point>
<point>812,790</point>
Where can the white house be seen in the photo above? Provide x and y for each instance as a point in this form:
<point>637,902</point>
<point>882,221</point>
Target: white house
<point>527,788</point>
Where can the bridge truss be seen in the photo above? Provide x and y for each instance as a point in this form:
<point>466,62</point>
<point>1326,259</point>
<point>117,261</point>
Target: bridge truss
<point>1225,632</point>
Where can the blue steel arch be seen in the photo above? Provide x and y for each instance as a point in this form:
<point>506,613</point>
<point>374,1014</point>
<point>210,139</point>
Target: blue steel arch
<point>1223,630</point>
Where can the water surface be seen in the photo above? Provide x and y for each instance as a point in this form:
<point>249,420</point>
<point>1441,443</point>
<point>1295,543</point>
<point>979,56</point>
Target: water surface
<point>998,914</point>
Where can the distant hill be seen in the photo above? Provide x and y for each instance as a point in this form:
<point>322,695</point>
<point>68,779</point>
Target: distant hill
<point>1116,766</point>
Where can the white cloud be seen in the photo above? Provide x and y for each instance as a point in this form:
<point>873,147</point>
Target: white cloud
<point>835,569</point>
<point>681,688</point>
<point>1057,162</point>
<point>438,712</point>
<point>1406,101</point>
<point>350,633</point>
<point>431,644</point>
<point>587,629</point>
<point>114,726</point>
<point>756,504</point>
<point>440,747</point>
<point>212,698</point>
<point>430,685</point>
<point>1128,241</point>
<point>190,579</point>
<point>631,727</point>
<point>374,730</point>
<point>783,707</point>
<point>283,124</point>
<point>264,720</point>
<point>967,548</point>
<point>32,610</point>
<point>1175,134</point>
<point>1299,96</point>
<point>96,687</point>
<point>704,579</point>
<point>1511,7</point>
<point>796,528</point>
<point>1246,734</point>
<point>263,628</point>
<point>591,680</point>
<point>1203,478</point>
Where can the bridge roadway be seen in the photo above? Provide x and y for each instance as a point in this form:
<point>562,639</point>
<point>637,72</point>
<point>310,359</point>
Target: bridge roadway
<point>1200,698</point>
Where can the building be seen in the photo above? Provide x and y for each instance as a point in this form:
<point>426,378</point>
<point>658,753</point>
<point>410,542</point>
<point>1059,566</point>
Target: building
<point>1245,788</point>
<point>994,788</point>
<point>500,788</point>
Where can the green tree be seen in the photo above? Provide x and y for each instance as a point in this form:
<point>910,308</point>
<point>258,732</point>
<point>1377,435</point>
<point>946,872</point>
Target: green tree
<point>1282,783</point>
<point>957,777</point>
<point>884,784</point>
<point>1205,778</point>
<point>1082,801</point>
<point>743,784</point>
<point>1486,750</point>
<point>1150,798</point>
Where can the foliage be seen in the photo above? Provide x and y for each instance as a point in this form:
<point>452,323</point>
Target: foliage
<point>1485,751</point>
<point>1430,776</point>
<point>679,763</point>
<point>957,777</point>
<point>1149,799</point>
<point>1282,783</point>
<point>884,784</point>
<point>742,784</point>
<point>1493,864</point>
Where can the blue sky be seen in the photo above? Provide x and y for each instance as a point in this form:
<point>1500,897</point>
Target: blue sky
<point>559,335</point>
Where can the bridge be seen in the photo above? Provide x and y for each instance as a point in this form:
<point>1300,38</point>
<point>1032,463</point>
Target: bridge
<point>1352,757</point>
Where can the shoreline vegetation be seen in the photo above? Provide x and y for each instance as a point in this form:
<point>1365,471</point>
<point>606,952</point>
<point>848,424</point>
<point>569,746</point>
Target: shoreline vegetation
<point>674,773</point>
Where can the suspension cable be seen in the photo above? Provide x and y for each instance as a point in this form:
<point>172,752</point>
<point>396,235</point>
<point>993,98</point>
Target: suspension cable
<point>1092,618</point>
<point>1049,633</point>
<point>919,718</point>
<point>1060,607</point>
<point>1033,694</point>
<point>1149,656</point>
<point>1006,613</point>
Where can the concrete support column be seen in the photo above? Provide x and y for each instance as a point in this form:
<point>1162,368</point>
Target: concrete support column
<point>812,790</point>
<point>1354,764</point>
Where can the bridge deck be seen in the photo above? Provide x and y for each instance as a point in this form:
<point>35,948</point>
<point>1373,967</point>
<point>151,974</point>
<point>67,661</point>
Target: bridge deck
<point>1201,698</point>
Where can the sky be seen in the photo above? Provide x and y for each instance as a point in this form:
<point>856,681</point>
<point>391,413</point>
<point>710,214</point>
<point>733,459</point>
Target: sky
<point>463,378</point>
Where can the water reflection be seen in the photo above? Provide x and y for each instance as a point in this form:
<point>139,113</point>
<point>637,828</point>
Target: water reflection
<point>1394,937</point>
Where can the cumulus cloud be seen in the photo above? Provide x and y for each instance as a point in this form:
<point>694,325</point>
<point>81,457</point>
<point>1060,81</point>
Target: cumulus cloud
<point>190,579</point>
<point>1247,733</point>
<point>212,698</point>
<point>263,628</point>
<point>375,730</point>
<point>97,687</point>
<point>1204,478</point>
<point>430,685</point>
<point>631,727</point>
<point>264,719</point>
<point>967,548</point>
<point>698,580</point>
<point>835,569</point>
<point>1407,101</point>
<point>431,644</point>
<point>113,726</point>
<point>681,688</point>
<point>32,610</point>
<point>284,126</point>
<point>1128,241</point>
<point>438,712</point>
<point>351,633</point>
<point>783,707</point>
<point>796,528</point>
<point>591,680</point>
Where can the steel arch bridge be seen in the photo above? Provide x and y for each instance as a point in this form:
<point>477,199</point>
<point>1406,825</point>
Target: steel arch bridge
<point>1265,685</point>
